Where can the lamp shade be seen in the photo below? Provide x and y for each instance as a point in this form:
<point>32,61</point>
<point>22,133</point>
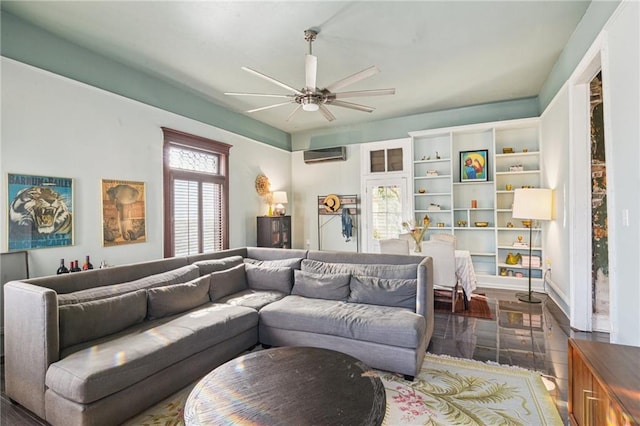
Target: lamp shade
<point>532,203</point>
<point>279,197</point>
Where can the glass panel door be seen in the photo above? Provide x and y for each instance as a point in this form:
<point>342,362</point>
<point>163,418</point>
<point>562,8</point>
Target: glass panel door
<point>386,208</point>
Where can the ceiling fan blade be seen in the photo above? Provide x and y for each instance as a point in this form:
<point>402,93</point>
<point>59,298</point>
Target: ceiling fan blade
<point>310,71</point>
<point>272,80</point>
<point>374,92</point>
<point>266,95</point>
<point>353,78</point>
<point>270,106</point>
<point>351,105</point>
<point>298,108</point>
<point>327,114</point>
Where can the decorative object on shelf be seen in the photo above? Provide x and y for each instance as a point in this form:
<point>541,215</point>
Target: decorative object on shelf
<point>474,165</point>
<point>123,212</point>
<point>481,224</point>
<point>279,198</point>
<point>513,259</point>
<point>516,168</point>
<point>509,225</point>
<point>507,150</point>
<point>531,204</point>
<point>40,211</point>
<point>510,273</point>
<point>526,223</point>
<point>474,204</point>
<point>437,155</point>
<point>331,203</point>
<point>508,187</point>
<point>462,223</point>
<point>422,190</point>
<point>525,150</point>
<point>417,231</point>
<point>535,261</point>
<point>520,243</point>
<point>432,173</point>
<point>433,207</point>
<point>503,272</point>
<point>440,224</point>
<point>426,157</point>
<point>519,274</point>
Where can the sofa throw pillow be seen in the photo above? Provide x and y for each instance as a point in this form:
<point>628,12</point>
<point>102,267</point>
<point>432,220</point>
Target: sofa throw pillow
<point>409,271</point>
<point>229,281</point>
<point>176,298</point>
<point>293,262</point>
<point>269,278</point>
<point>82,322</point>
<point>382,291</point>
<point>321,286</point>
<point>175,276</point>
<point>214,265</point>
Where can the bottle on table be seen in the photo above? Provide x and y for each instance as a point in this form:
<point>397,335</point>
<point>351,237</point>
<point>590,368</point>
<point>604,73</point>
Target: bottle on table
<point>62,269</point>
<point>87,264</point>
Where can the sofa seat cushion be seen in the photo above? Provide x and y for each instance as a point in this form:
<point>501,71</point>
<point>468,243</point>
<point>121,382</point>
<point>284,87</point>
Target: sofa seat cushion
<point>380,324</point>
<point>110,365</point>
<point>255,299</point>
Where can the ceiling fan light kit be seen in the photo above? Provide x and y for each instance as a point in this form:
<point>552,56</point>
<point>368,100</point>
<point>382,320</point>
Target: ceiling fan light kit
<point>311,98</point>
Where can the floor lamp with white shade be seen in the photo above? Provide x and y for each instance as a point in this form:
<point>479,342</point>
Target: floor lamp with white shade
<point>531,204</point>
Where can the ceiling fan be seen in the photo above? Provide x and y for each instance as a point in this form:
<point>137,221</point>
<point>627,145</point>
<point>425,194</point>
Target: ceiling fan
<point>310,97</point>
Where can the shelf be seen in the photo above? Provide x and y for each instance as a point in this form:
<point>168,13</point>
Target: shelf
<point>518,266</point>
<point>519,154</point>
<point>439,160</point>
<point>482,254</point>
<point>469,209</point>
<point>474,228</point>
<point>487,182</point>
<point>433,177</point>
<point>519,248</point>
<point>432,211</point>
<point>433,194</point>
<point>523,172</point>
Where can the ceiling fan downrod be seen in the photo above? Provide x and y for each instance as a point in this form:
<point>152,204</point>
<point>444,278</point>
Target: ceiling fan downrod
<point>310,36</point>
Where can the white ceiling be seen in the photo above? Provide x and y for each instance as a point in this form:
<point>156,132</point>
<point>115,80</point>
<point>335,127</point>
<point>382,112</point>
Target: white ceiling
<point>437,54</point>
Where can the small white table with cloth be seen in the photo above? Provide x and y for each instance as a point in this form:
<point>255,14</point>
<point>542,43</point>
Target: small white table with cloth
<point>464,271</point>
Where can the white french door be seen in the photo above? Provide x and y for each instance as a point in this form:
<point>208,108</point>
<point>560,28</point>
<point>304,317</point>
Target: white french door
<point>386,205</point>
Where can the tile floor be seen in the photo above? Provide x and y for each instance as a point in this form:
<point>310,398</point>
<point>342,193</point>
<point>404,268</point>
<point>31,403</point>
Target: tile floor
<point>529,336</point>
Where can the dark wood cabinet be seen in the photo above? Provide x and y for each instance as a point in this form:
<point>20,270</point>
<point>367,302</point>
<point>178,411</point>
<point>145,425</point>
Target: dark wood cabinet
<point>604,383</point>
<point>274,231</point>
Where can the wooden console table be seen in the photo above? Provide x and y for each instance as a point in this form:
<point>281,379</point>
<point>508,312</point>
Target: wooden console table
<point>604,383</point>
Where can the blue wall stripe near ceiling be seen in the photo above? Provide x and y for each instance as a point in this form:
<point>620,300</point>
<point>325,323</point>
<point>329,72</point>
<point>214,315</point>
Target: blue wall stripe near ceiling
<point>34,46</point>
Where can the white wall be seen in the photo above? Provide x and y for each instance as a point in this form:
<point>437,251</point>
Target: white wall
<point>620,54</point>
<point>58,127</point>
<point>556,175</point>
<point>312,180</point>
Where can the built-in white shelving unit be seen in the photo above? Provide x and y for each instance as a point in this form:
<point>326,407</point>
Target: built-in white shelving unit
<point>439,193</point>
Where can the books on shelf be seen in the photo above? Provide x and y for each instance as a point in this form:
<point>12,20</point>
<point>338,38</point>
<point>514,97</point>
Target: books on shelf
<point>535,261</point>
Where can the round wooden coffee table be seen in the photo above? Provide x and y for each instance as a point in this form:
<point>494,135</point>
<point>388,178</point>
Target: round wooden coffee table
<point>288,386</point>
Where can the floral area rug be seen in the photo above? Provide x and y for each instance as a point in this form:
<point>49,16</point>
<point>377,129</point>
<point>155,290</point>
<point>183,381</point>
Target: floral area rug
<point>448,391</point>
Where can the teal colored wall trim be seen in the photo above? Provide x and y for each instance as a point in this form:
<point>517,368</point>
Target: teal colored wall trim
<point>31,45</point>
<point>584,35</point>
<point>396,128</point>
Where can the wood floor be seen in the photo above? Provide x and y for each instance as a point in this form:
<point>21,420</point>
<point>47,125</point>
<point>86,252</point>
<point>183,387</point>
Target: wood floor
<point>529,336</point>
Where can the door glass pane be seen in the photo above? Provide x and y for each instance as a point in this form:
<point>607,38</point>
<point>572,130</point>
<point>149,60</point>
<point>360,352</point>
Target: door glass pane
<point>377,161</point>
<point>394,160</point>
<point>386,209</point>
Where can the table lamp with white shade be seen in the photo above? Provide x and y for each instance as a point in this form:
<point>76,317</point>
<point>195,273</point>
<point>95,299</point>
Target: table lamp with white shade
<point>279,198</point>
<point>531,204</point>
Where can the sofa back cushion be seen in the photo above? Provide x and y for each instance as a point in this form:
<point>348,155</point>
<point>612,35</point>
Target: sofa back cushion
<point>176,298</point>
<point>409,271</point>
<point>321,286</point>
<point>214,265</point>
<point>382,291</point>
<point>293,262</point>
<point>229,281</point>
<point>175,276</point>
<point>82,322</point>
<point>278,278</point>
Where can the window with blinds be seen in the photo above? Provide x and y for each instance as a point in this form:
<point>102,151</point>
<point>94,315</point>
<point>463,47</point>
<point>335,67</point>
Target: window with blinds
<point>196,194</point>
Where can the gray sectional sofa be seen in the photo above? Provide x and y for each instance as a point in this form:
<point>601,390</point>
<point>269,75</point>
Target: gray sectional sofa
<point>100,346</point>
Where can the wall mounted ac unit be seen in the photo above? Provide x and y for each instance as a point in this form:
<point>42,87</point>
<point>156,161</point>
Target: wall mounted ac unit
<point>338,153</point>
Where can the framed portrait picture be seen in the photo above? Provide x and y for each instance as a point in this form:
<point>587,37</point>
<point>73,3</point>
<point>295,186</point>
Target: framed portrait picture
<point>40,212</point>
<point>123,212</point>
<point>474,165</point>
